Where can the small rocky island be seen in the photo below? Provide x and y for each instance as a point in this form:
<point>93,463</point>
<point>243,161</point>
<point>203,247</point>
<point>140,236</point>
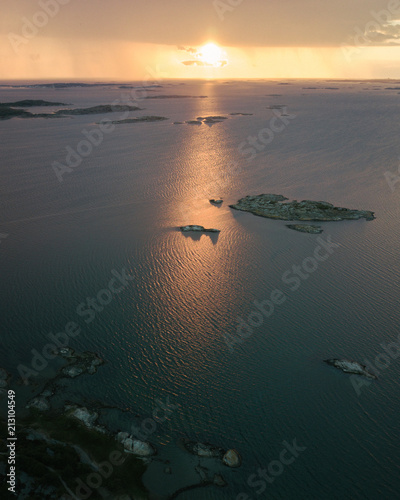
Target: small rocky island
<point>8,110</point>
<point>350,367</point>
<point>230,458</point>
<point>305,228</point>
<point>272,207</point>
<point>199,229</point>
<point>96,110</point>
<point>141,119</point>
<point>29,103</point>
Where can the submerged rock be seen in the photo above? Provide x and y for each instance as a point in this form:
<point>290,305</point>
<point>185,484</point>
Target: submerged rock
<point>200,229</point>
<point>232,459</point>
<point>219,481</point>
<point>79,363</point>
<point>350,367</point>
<point>271,206</point>
<point>66,352</point>
<point>73,371</point>
<point>305,228</point>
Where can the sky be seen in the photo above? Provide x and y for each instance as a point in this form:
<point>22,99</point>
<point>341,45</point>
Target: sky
<point>150,40</point>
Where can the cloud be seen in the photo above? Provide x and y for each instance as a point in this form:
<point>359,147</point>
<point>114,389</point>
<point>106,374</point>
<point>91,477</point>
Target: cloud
<point>189,50</point>
<point>386,34</point>
<point>198,60</point>
<point>195,63</point>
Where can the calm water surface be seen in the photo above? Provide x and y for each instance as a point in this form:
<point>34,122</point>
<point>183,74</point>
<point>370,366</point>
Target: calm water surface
<point>163,335</point>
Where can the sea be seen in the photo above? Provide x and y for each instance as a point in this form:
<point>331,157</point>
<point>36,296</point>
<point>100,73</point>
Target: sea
<point>226,333</point>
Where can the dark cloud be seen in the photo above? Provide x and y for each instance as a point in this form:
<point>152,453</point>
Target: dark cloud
<point>183,23</point>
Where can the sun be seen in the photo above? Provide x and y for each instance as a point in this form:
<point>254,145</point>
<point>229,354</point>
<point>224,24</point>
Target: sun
<point>211,55</point>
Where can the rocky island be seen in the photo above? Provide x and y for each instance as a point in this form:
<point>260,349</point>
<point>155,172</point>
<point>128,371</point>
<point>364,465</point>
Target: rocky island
<point>141,119</point>
<point>199,229</point>
<point>96,110</point>
<point>28,103</point>
<point>230,458</point>
<point>7,111</point>
<point>271,206</point>
<point>350,367</point>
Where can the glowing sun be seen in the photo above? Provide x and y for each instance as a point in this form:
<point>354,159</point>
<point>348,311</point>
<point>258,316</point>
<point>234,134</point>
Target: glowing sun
<point>211,54</point>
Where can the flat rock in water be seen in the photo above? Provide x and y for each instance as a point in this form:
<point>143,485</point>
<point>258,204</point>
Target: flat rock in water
<point>199,229</point>
<point>232,459</point>
<point>219,481</point>
<point>139,119</point>
<point>348,366</point>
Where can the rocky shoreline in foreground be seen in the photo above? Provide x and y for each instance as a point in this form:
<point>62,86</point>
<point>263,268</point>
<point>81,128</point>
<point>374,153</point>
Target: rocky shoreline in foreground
<point>63,445</point>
